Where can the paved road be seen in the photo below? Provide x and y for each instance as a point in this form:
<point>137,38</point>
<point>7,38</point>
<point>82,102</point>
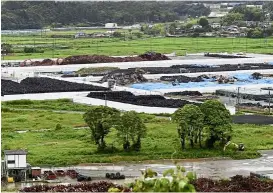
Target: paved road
<point>203,168</point>
<point>253,119</point>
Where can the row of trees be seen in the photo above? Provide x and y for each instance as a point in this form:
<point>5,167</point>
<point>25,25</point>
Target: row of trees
<point>211,121</point>
<point>35,14</point>
<point>129,126</point>
<point>243,13</point>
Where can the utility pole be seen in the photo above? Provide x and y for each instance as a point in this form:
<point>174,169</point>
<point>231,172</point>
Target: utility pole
<point>246,44</point>
<point>269,101</point>
<point>269,97</point>
<point>238,97</point>
<point>232,46</point>
<point>97,46</point>
<point>105,99</point>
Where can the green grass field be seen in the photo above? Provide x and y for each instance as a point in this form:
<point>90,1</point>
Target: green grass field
<point>69,146</point>
<point>64,47</point>
<point>59,104</point>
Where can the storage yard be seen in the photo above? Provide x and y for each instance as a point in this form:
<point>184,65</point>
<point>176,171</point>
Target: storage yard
<point>128,85</point>
<point>156,87</point>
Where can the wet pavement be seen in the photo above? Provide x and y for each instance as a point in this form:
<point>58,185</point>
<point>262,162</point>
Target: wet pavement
<point>203,168</point>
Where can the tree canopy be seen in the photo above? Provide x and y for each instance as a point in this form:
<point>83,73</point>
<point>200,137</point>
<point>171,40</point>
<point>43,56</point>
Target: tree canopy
<point>100,119</point>
<point>203,22</point>
<point>217,121</point>
<point>35,14</point>
<point>190,123</point>
<point>130,129</point>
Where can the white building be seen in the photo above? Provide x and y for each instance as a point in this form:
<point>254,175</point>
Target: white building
<point>255,6</point>
<point>217,14</point>
<point>196,27</point>
<point>213,6</point>
<point>111,25</point>
<point>80,34</point>
<point>15,165</point>
<point>15,159</point>
<point>215,25</point>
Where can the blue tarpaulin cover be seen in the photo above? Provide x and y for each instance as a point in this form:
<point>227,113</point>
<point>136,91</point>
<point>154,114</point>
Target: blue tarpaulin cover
<point>242,79</point>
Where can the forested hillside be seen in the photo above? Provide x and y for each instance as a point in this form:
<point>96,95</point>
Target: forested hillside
<point>33,15</point>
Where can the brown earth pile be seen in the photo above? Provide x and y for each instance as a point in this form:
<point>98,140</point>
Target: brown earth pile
<point>89,59</point>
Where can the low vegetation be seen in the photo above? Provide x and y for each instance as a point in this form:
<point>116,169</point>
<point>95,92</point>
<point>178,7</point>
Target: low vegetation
<point>59,104</point>
<point>104,46</point>
<point>69,138</point>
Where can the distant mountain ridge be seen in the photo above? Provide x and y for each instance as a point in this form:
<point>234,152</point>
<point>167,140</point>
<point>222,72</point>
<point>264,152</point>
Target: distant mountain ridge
<point>39,14</point>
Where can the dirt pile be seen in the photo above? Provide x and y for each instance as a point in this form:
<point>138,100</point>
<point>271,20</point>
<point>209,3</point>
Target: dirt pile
<point>237,183</point>
<point>45,62</point>
<point>185,93</point>
<point>224,55</point>
<point>89,59</point>
<point>142,100</point>
<point>151,56</point>
<point>182,79</point>
<point>125,77</point>
<point>86,59</point>
<point>44,85</point>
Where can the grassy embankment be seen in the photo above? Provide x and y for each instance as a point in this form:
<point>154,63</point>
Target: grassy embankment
<point>64,47</point>
<point>68,146</point>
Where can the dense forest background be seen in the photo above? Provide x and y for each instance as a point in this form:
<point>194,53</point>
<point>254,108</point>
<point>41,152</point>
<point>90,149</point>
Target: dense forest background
<point>36,15</point>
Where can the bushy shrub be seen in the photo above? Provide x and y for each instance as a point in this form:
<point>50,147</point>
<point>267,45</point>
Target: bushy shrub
<point>20,102</point>
<point>32,50</point>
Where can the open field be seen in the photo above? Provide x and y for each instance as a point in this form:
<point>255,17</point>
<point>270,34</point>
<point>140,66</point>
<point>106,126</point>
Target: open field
<point>62,47</point>
<point>60,104</point>
<point>70,146</point>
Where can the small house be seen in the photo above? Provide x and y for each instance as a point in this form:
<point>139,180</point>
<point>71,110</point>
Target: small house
<point>15,159</point>
<point>16,164</point>
<point>111,25</point>
<point>80,35</point>
<point>196,27</point>
<point>215,25</point>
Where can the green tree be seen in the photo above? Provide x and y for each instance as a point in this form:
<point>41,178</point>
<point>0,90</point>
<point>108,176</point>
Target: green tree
<point>138,34</point>
<point>217,121</point>
<point>172,28</point>
<point>34,14</point>
<point>190,124</point>
<point>249,13</point>
<point>130,130</point>
<point>230,18</point>
<point>117,34</point>
<point>100,119</point>
<point>188,25</point>
<point>6,48</point>
<point>255,33</point>
<point>203,22</point>
<point>157,29</point>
